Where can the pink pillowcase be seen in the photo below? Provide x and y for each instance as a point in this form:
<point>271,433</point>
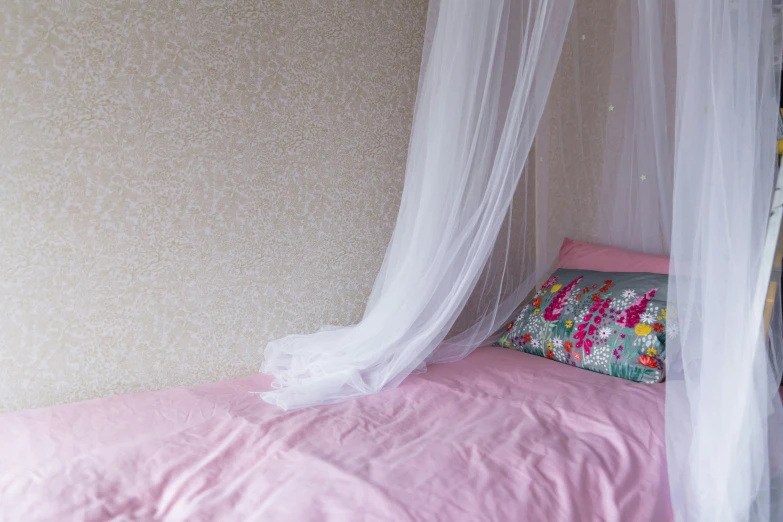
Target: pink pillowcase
<point>588,256</point>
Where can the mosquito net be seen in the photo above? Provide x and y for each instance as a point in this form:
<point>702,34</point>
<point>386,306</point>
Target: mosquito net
<point>644,124</point>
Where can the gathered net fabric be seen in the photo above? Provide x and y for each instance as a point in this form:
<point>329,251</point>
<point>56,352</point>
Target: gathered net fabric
<point>604,151</point>
<point>668,148</point>
<point>724,434</point>
<point>638,154</point>
<point>485,79</point>
<point>643,124</point>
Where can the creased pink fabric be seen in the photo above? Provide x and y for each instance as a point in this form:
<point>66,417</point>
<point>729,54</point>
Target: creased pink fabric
<point>499,436</point>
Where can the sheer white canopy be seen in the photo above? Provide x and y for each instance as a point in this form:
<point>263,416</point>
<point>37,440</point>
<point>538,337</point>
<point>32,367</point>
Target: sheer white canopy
<point>723,413</point>
<point>668,148</point>
<point>484,85</point>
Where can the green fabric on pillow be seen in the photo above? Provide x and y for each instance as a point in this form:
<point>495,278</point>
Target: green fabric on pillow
<point>606,322</point>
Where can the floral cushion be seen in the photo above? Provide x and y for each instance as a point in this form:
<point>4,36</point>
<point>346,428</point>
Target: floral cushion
<point>612,323</point>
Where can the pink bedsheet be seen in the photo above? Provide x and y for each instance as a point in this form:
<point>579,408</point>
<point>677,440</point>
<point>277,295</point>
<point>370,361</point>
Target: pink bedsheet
<point>500,436</point>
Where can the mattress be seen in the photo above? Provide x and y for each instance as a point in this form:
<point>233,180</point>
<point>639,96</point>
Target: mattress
<point>499,436</point>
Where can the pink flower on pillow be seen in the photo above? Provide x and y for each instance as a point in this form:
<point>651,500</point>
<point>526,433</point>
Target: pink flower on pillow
<point>630,317</point>
<point>555,308</point>
<point>549,282</point>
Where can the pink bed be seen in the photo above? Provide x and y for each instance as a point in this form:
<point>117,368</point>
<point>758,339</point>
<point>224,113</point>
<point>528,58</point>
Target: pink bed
<point>499,436</point>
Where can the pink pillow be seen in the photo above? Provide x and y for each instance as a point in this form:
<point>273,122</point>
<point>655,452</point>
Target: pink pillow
<point>588,256</point>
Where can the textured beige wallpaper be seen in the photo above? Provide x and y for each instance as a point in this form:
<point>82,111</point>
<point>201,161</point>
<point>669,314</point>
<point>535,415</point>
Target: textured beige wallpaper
<point>183,181</point>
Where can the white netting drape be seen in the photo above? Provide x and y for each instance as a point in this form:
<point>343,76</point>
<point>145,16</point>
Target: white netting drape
<point>484,84</point>
<point>637,150</point>
<point>654,130</point>
<point>723,424</point>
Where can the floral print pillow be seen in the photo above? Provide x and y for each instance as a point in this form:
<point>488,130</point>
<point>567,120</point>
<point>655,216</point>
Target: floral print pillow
<point>611,323</point>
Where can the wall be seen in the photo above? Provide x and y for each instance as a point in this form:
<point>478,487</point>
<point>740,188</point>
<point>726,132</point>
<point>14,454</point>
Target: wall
<point>183,181</point>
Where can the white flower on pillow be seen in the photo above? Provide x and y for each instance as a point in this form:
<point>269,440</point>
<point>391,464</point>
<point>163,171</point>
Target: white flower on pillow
<point>647,318</point>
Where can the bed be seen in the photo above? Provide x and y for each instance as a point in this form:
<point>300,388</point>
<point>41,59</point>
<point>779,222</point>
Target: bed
<point>501,435</point>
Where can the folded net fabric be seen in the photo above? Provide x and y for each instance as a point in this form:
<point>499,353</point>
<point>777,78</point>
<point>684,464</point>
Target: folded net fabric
<point>724,429</point>
<point>656,134</point>
<point>484,83</point>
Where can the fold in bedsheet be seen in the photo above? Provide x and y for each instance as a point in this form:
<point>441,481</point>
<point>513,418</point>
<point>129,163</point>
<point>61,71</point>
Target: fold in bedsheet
<point>499,436</point>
